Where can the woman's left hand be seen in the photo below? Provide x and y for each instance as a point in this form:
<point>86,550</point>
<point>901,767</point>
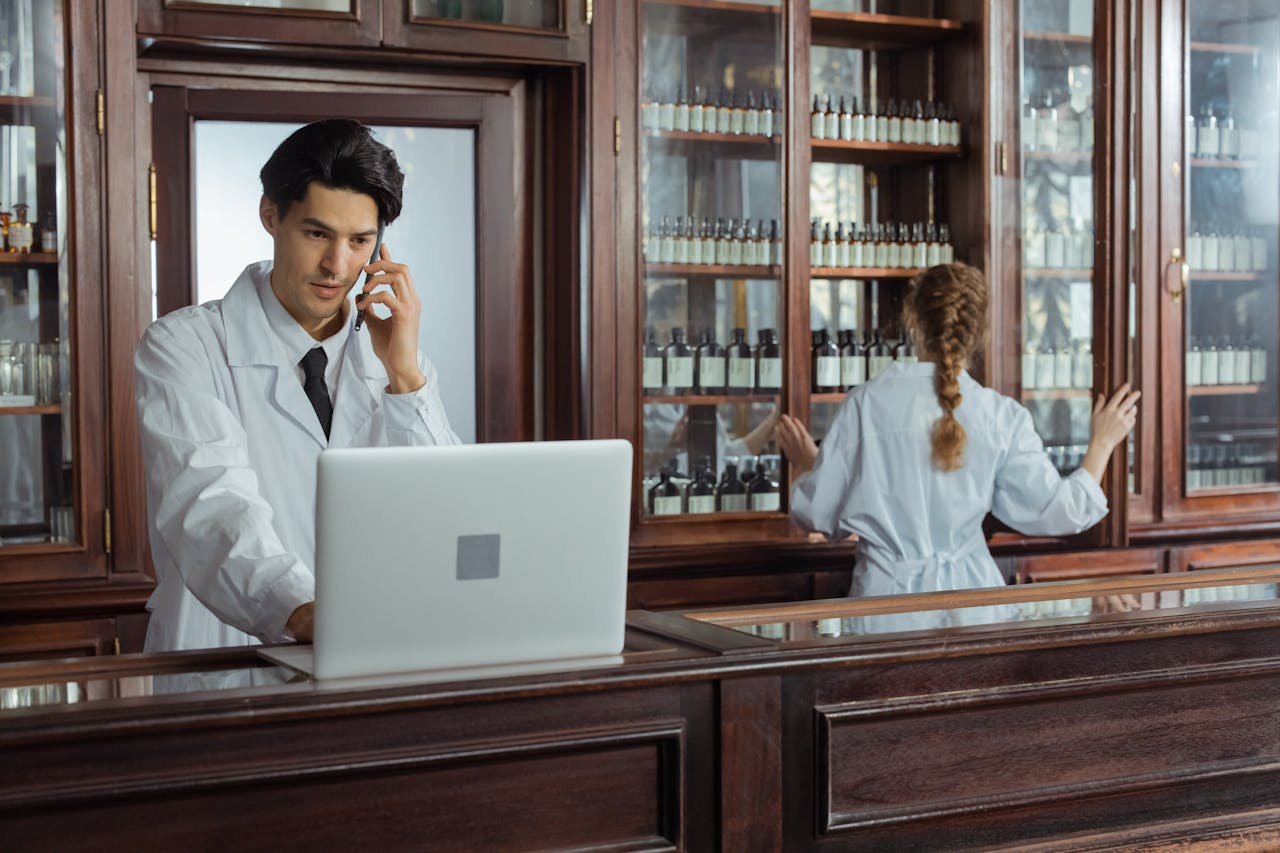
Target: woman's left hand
<point>796,443</point>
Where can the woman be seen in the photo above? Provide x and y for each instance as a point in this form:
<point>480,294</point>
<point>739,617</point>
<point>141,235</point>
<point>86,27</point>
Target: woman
<point>916,458</point>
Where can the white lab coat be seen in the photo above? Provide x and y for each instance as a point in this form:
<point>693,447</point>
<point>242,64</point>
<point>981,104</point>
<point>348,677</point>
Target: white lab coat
<point>230,443</point>
<point>918,529</point>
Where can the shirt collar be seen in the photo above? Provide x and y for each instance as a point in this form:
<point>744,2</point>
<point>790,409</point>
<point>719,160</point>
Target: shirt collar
<point>293,338</point>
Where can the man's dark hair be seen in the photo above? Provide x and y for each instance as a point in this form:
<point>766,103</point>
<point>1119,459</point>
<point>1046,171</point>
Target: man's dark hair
<point>340,153</point>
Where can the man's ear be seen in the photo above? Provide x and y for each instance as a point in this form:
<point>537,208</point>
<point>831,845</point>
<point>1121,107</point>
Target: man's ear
<point>268,214</point>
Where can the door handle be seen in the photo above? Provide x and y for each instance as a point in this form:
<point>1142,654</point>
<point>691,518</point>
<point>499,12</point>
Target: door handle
<point>1184,274</point>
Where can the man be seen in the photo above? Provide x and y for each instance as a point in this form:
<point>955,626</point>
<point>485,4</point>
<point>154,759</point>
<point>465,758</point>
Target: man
<point>237,397</point>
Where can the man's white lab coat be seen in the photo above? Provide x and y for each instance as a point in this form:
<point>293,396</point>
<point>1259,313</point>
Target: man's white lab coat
<point>230,443</point>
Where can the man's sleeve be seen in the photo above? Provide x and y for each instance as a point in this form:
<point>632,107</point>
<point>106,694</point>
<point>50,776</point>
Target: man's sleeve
<point>203,495</point>
<point>418,419</point>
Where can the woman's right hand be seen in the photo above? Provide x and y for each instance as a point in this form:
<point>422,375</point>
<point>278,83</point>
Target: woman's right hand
<point>796,443</point>
<point>1112,420</point>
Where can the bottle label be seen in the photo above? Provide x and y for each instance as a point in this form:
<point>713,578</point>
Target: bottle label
<point>877,364</point>
<point>853,370</point>
<point>742,373</point>
<point>1028,371</point>
<point>771,373</point>
<point>828,371</point>
<point>21,237</point>
<point>711,372</point>
<point>652,372</point>
<point>1227,367</point>
<point>733,503</point>
<point>679,371</point>
<point>1193,368</point>
<point>666,505</point>
<point>1209,368</point>
<point>700,504</point>
<point>1243,362</point>
<point>1258,367</point>
<point>766,502</point>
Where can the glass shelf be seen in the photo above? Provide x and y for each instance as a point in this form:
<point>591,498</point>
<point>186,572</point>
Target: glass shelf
<point>880,153</point>
<point>711,271</point>
<point>867,31</point>
<point>864,272</point>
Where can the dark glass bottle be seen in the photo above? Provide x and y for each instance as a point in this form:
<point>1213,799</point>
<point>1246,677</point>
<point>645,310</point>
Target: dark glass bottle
<point>731,493</point>
<point>826,363</point>
<point>764,493</point>
<point>905,351</point>
<point>879,356</point>
<point>768,362</point>
<point>702,491</point>
<point>710,365</point>
<point>652,365</point>
<point>665,498</point>
<point>853,361</point>
<point>678,359</point>
<point>742,367</point>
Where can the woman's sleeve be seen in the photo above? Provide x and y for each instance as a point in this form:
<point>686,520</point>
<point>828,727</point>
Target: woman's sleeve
<point>1033,498</point>
<point>820,498</point>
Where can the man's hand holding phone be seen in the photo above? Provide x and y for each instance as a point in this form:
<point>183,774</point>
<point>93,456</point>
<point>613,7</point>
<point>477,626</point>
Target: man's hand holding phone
<point>394,338</point>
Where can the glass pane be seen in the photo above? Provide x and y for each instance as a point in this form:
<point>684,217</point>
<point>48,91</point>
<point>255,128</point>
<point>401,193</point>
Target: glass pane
<point>541,14</point>
<point>305,5</point>
<point>1056,140</point>
<point>37,474</point>
<point>1231,317</point>
<point>711,225</point>
<point>435,234</point>
<point>878,128</point>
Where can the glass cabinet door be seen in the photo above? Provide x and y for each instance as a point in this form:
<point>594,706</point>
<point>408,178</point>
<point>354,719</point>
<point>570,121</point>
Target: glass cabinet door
<point>1222,273</point>
<point>38,465</point>
<point>711,224</point>
<point>1055,267</point>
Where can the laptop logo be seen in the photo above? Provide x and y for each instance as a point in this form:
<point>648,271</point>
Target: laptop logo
<point>478,556</point>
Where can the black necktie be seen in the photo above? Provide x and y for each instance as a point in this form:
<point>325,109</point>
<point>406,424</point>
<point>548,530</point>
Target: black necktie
<point>312,365</point>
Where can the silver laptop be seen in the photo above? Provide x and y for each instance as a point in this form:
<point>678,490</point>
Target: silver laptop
<point>484,555</point>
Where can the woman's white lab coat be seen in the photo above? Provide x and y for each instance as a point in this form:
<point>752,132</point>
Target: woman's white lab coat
<point>919,529</point>
<point>230,443</point>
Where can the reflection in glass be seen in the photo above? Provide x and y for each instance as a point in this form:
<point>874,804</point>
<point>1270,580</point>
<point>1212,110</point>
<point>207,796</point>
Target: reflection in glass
<point>1233,168</point>
<point>710,226</point>
<point>304,5</point>
<point>1056,141</point>
<point>542,14</point>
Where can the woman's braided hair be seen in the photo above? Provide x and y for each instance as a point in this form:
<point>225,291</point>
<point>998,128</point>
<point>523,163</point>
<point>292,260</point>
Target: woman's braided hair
<point>947,309</point>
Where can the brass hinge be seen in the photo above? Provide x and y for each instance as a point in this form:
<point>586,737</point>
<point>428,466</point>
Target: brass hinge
<point>151,198</point>
<point>106,530</point>
<point>116,645</point>
<point>1002,159</point>
<point>588,11</point>
<point>102,112</point>
<point>617,135</point>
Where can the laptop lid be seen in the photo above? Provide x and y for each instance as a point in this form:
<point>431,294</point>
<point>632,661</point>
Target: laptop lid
<point>470,555</point>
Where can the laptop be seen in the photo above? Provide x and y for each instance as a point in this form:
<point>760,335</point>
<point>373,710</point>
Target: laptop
<point>483,555</point>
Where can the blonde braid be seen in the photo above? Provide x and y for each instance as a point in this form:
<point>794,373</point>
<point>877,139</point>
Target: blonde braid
<point>947,306</point>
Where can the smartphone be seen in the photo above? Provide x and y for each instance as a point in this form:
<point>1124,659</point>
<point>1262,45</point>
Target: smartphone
<point>377,252</point>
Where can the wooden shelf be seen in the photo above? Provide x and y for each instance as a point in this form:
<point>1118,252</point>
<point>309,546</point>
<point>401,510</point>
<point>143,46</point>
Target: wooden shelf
<point>879,153</point>
<point>1056,393</point>
<point>1216,163</point>
<point>1055,273</point>
<point>829,397</point>
<point>710,399</point>
<point>31,410</point>
<point>1058,38</point>
<point>1222,390</point>
<point>699,136</point>
<point>29,259</point>
<point>1212,275</point>
<point>649,518</point>
<point>880,32</point>
<point>711,271</point>
<point>720,6</point>
<point>863,272</point>
<point>1218,47</point>
<point>14,109</point>
<point>752,147</point>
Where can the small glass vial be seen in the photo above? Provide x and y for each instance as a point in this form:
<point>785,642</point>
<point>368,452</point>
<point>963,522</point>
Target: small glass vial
<point>894,126</point>
<point>831,121</point>
<point>697,123</point>
<point>846,120</point>
<point>49,237</point>
<point>817,121</point>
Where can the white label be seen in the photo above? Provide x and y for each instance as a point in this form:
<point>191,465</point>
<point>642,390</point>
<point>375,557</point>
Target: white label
<point>1044,370</point>
<point>882,129</point>
<point>876,365</point>
<point>818,126</point>
<point>1258,259</point>
<point>733,503</point>
<point>1258,367</point>
<point>699,504</point>
<point>766,502</point>
<point>1207,142</point>
<point>1062,364</point>
<point>751,124</point>
<point>696,124</point>
<point>1243,253</point>
<point>770,373</point>
<point>679,371</point>
<point>828,372</point>
<point>853,370</point>
<point>1028,371</point>
<point>666,505</point>
<point>1209,368</point>
<point>666,116</point>
<point>846,127</point>
<point>652,372</point>
<point>737,120</point>
<point>681,117</point>
<point>832,126</point>
<point>1082,372</point>
<point>711,372</point>
<point>742,372</point>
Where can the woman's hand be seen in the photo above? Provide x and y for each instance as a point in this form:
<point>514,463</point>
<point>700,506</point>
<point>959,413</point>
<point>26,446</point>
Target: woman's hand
<point>796,443</point>
<point>1112,420</point>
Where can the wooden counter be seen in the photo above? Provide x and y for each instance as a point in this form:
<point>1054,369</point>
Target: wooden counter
<point>1143,730</point>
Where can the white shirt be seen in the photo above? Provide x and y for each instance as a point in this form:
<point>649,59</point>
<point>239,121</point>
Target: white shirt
<point>920,529</point>
<point>230,443</point>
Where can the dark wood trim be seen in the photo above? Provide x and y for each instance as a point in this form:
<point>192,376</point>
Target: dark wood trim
<point>566,44</point>
<point>74,600</point>
<point>361,26</point>
<point>751,763</point>
<point>175,253</point>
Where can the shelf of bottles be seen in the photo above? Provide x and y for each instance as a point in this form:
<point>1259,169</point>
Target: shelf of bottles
<point>711,216</point>
<point>37,475</point>
<point>877,129</point>
<point>1231,320</point>
<point>1055,147</point>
